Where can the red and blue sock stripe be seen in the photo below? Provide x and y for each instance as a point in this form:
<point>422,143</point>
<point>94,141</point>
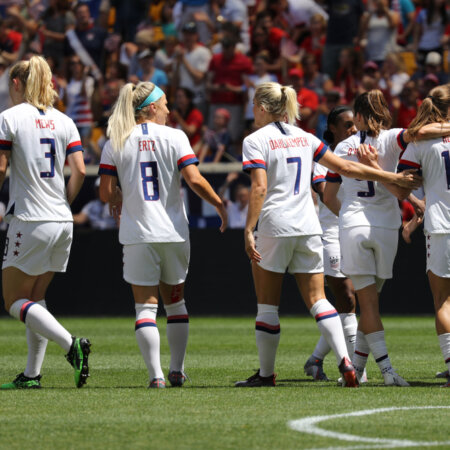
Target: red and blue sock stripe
<point>144,323</point>
<point>24,310</point>
<point>267,328</point>
<point>326,315</point>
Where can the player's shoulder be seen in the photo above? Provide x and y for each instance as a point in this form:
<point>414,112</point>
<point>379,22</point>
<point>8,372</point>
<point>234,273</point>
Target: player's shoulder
<point>352,142</point>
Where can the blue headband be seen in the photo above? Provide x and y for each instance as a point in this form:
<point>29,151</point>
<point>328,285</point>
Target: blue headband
<point>154,96</point>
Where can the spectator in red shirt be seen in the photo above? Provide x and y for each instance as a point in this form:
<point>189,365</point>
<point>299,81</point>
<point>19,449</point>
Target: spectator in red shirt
<point>226,85</point>
<point>405,107</point>
<point>187,117</point>
<point>10,41</point>
<point>315,42</point>
<point>308,100</point>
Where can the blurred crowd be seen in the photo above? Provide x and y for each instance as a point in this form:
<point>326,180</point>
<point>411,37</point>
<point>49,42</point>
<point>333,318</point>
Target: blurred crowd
<point>208,56</point>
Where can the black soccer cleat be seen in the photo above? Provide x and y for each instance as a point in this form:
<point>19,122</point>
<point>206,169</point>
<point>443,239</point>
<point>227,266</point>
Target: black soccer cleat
<point>257,381</point>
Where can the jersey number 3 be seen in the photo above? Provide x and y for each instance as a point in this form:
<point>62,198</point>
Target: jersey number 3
<point>152,178</point>
<point>50,155</point>
<point>446,156</point>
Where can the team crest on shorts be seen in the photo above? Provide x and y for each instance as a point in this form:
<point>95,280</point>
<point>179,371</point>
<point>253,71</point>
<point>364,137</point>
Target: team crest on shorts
<point>334,262</point>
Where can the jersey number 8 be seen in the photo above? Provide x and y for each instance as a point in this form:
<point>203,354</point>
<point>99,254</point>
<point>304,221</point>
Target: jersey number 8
<point>153,179</point>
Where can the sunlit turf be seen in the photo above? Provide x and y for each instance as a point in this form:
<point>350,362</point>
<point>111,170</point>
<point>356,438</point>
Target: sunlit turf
<point>116,410</point>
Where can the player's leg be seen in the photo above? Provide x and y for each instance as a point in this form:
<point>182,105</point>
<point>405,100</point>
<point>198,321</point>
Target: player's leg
<point>141,269</point>
<point>268,278</point>
<point>177,329</point>
<point>174,267</point>
<point>267,325</point>
<point>440,288</point>
<point>147,334</point>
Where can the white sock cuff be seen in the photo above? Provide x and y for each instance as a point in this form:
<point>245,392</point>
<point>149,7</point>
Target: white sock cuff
<point>42,303</point>
<point>173,307</point>
<point>374,337</point>
<point>444,342</point>
<point>348,320</point>
<point>19,309</point>
<point>361,343</point>
<point>264,308</point>
<point>146,311</point>
<point>322,306</point>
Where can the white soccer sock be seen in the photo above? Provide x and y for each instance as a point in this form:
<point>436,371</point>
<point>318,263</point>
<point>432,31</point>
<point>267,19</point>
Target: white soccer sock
<point>322,349</point>
<point>330,327</point>
<point>177,334</point>
<point>42,322</point>
<point>379,351</point>
<point>349,325</point>
<point>267,331</point>
<point>147,336</point>
<point>444,342</point>
<point>37,345</point>
<point>361,353</point>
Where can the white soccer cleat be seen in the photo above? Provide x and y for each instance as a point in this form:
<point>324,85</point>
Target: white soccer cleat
<point>392,378</point>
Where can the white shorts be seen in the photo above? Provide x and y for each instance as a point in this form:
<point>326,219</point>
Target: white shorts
<point>332,257</point>
<point>148,264</point>
<point>299,254</point>
<point>368,251</point>
<point>438,254</point>
<point>38,247</point>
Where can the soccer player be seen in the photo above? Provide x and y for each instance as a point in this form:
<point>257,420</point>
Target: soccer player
<point>340,126</point>
<point>147,158</point>
<point>432,157</point>
<point>282,229</point>
<point>369,220</point>
<point>37,140</point>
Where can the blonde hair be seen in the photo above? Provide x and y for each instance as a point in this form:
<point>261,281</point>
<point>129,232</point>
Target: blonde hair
<point>124,115</point>
<point>278,100</point>
<point>36,77</point>
<point>434,108</point>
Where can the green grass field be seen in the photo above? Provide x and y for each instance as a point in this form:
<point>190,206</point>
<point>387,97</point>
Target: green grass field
<point>115,410</point>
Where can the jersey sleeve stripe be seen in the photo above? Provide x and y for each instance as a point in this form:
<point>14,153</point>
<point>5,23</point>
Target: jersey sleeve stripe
<point>401,142</point>
<point>404,164</point>
<point>5,145</point>
<point>333,177</point>
<point>254,164</point>
<point>74,147</point>
<point>320,152</point>
<point>105,169</point>
<point>186,161</point>
<point>319,179</point>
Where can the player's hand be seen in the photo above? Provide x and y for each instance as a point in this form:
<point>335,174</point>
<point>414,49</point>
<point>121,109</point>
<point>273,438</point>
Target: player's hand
<point>419,207</point>
<point>367,155</point>
<point>409,179</point>
<point>250,247</point>
<point>222,212</point>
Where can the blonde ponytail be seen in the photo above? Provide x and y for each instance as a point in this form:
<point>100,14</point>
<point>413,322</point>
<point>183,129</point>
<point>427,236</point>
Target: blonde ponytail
<point>279,101</point>
<point>124,115</point>
<point>36,77</point>
<point>433,108</point>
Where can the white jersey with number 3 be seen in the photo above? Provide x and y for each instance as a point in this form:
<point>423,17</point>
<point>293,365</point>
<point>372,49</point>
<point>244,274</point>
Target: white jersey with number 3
<point>286,152</point>
<point>369,203</point>
<point>148,167</point>
<point>39,143</point>
<point>433,158</point>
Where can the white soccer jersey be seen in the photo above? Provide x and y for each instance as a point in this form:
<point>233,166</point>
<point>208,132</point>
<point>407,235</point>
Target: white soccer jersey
<point>39,142</point>
<point>433,158</point>
<point>287,153</point>
<point>148,170</point>
<point>369,203</point>
<point>328,220</point>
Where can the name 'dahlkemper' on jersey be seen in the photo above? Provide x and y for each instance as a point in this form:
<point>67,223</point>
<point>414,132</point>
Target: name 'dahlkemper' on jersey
<point>288,142</point>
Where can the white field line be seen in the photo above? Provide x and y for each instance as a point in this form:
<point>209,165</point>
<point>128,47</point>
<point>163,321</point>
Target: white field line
<point>308,425</point>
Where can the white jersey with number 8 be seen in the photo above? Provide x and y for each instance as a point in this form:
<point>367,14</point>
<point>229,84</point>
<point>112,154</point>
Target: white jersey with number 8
<point>148,167</point>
